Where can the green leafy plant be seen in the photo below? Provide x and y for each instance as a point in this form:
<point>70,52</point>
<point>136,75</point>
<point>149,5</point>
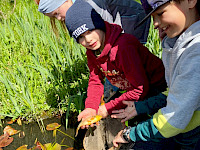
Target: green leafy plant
<point>39,71</point>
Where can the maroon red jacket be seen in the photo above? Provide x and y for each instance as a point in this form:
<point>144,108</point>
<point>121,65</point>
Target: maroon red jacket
<point>127,64</point>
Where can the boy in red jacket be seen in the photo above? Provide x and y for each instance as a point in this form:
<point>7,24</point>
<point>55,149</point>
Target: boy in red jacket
<point>118,56</point>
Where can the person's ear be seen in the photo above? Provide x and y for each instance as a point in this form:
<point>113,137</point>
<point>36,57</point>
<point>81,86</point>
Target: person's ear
<point>70,1</point>
<point>192,3</point>
<point>37,2</point>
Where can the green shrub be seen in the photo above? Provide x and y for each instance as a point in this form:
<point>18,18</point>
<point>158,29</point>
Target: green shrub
<point>38,71</point>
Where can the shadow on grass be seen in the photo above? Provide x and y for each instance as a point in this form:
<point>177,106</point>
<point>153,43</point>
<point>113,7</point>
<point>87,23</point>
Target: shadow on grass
<point>70,81</point>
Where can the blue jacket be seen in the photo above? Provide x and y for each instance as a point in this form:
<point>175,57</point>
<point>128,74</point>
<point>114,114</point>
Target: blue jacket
<point>126,13</point>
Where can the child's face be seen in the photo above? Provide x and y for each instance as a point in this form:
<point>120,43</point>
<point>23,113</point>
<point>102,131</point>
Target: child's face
<point>173,18</point>
<point>60,12</point>
<point>93,40</point>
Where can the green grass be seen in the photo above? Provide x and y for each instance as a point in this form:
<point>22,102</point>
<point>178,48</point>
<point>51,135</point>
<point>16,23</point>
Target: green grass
<point>153,42</point>
<point>38,71</point>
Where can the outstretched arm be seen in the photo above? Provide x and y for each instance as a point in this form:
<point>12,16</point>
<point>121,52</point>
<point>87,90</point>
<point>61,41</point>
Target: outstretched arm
<point>148,106</point>
<point>127,113</point>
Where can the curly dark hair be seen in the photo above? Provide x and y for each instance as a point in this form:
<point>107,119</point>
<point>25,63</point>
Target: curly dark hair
<point>198,6</point>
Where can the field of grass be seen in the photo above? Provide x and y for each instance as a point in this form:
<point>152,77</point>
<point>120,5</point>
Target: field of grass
<point>38,71</point>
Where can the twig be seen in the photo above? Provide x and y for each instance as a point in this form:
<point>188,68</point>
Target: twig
<point>2,14</point>
<point>14,6</point>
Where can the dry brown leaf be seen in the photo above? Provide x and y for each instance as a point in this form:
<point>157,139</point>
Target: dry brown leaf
<point>10,122</point>
<point>2,137</point>
<point>40,145</point>
<point>5,140</point>
<point>36,148</point>
<point>10,130</point>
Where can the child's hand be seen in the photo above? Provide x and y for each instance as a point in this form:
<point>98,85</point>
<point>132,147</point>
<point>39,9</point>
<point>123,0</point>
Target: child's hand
<point>127,113</point>
<point>102,111</point>
<point>88,112</point>
<point>119,139</point>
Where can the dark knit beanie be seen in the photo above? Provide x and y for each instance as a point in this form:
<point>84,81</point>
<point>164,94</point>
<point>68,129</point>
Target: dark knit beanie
<point>81,17</point>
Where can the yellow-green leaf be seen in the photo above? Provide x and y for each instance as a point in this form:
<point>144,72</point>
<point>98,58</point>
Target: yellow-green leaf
<point>56,147</point>
<point>23,147</point>
<point>54,133</point>
<point>52,126</point>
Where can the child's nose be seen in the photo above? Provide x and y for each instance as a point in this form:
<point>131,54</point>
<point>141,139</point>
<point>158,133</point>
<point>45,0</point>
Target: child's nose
<point>87,38</point>
<point>156,25</point>
<point>58,17</point>
<point>156,22</point>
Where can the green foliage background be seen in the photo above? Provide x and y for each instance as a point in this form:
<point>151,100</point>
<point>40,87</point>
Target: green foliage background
<point>38,71</point>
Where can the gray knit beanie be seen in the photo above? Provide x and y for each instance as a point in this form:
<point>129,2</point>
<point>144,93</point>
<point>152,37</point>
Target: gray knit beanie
<point>47,6</point>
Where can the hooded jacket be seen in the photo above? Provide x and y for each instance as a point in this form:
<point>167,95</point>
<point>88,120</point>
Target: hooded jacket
<point>127,64</point>
<point>181,58</point>
<point>126,13</point>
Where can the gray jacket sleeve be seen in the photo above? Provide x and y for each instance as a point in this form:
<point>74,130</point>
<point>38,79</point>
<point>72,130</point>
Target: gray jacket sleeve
<point>126,13</point>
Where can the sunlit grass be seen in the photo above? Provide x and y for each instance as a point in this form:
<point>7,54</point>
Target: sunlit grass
<point>39,71</point>
<point>154,43</point>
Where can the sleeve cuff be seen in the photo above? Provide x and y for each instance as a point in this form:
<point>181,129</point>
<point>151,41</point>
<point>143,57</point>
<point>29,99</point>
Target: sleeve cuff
<point>151,105</point>
<point>145,131</point>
